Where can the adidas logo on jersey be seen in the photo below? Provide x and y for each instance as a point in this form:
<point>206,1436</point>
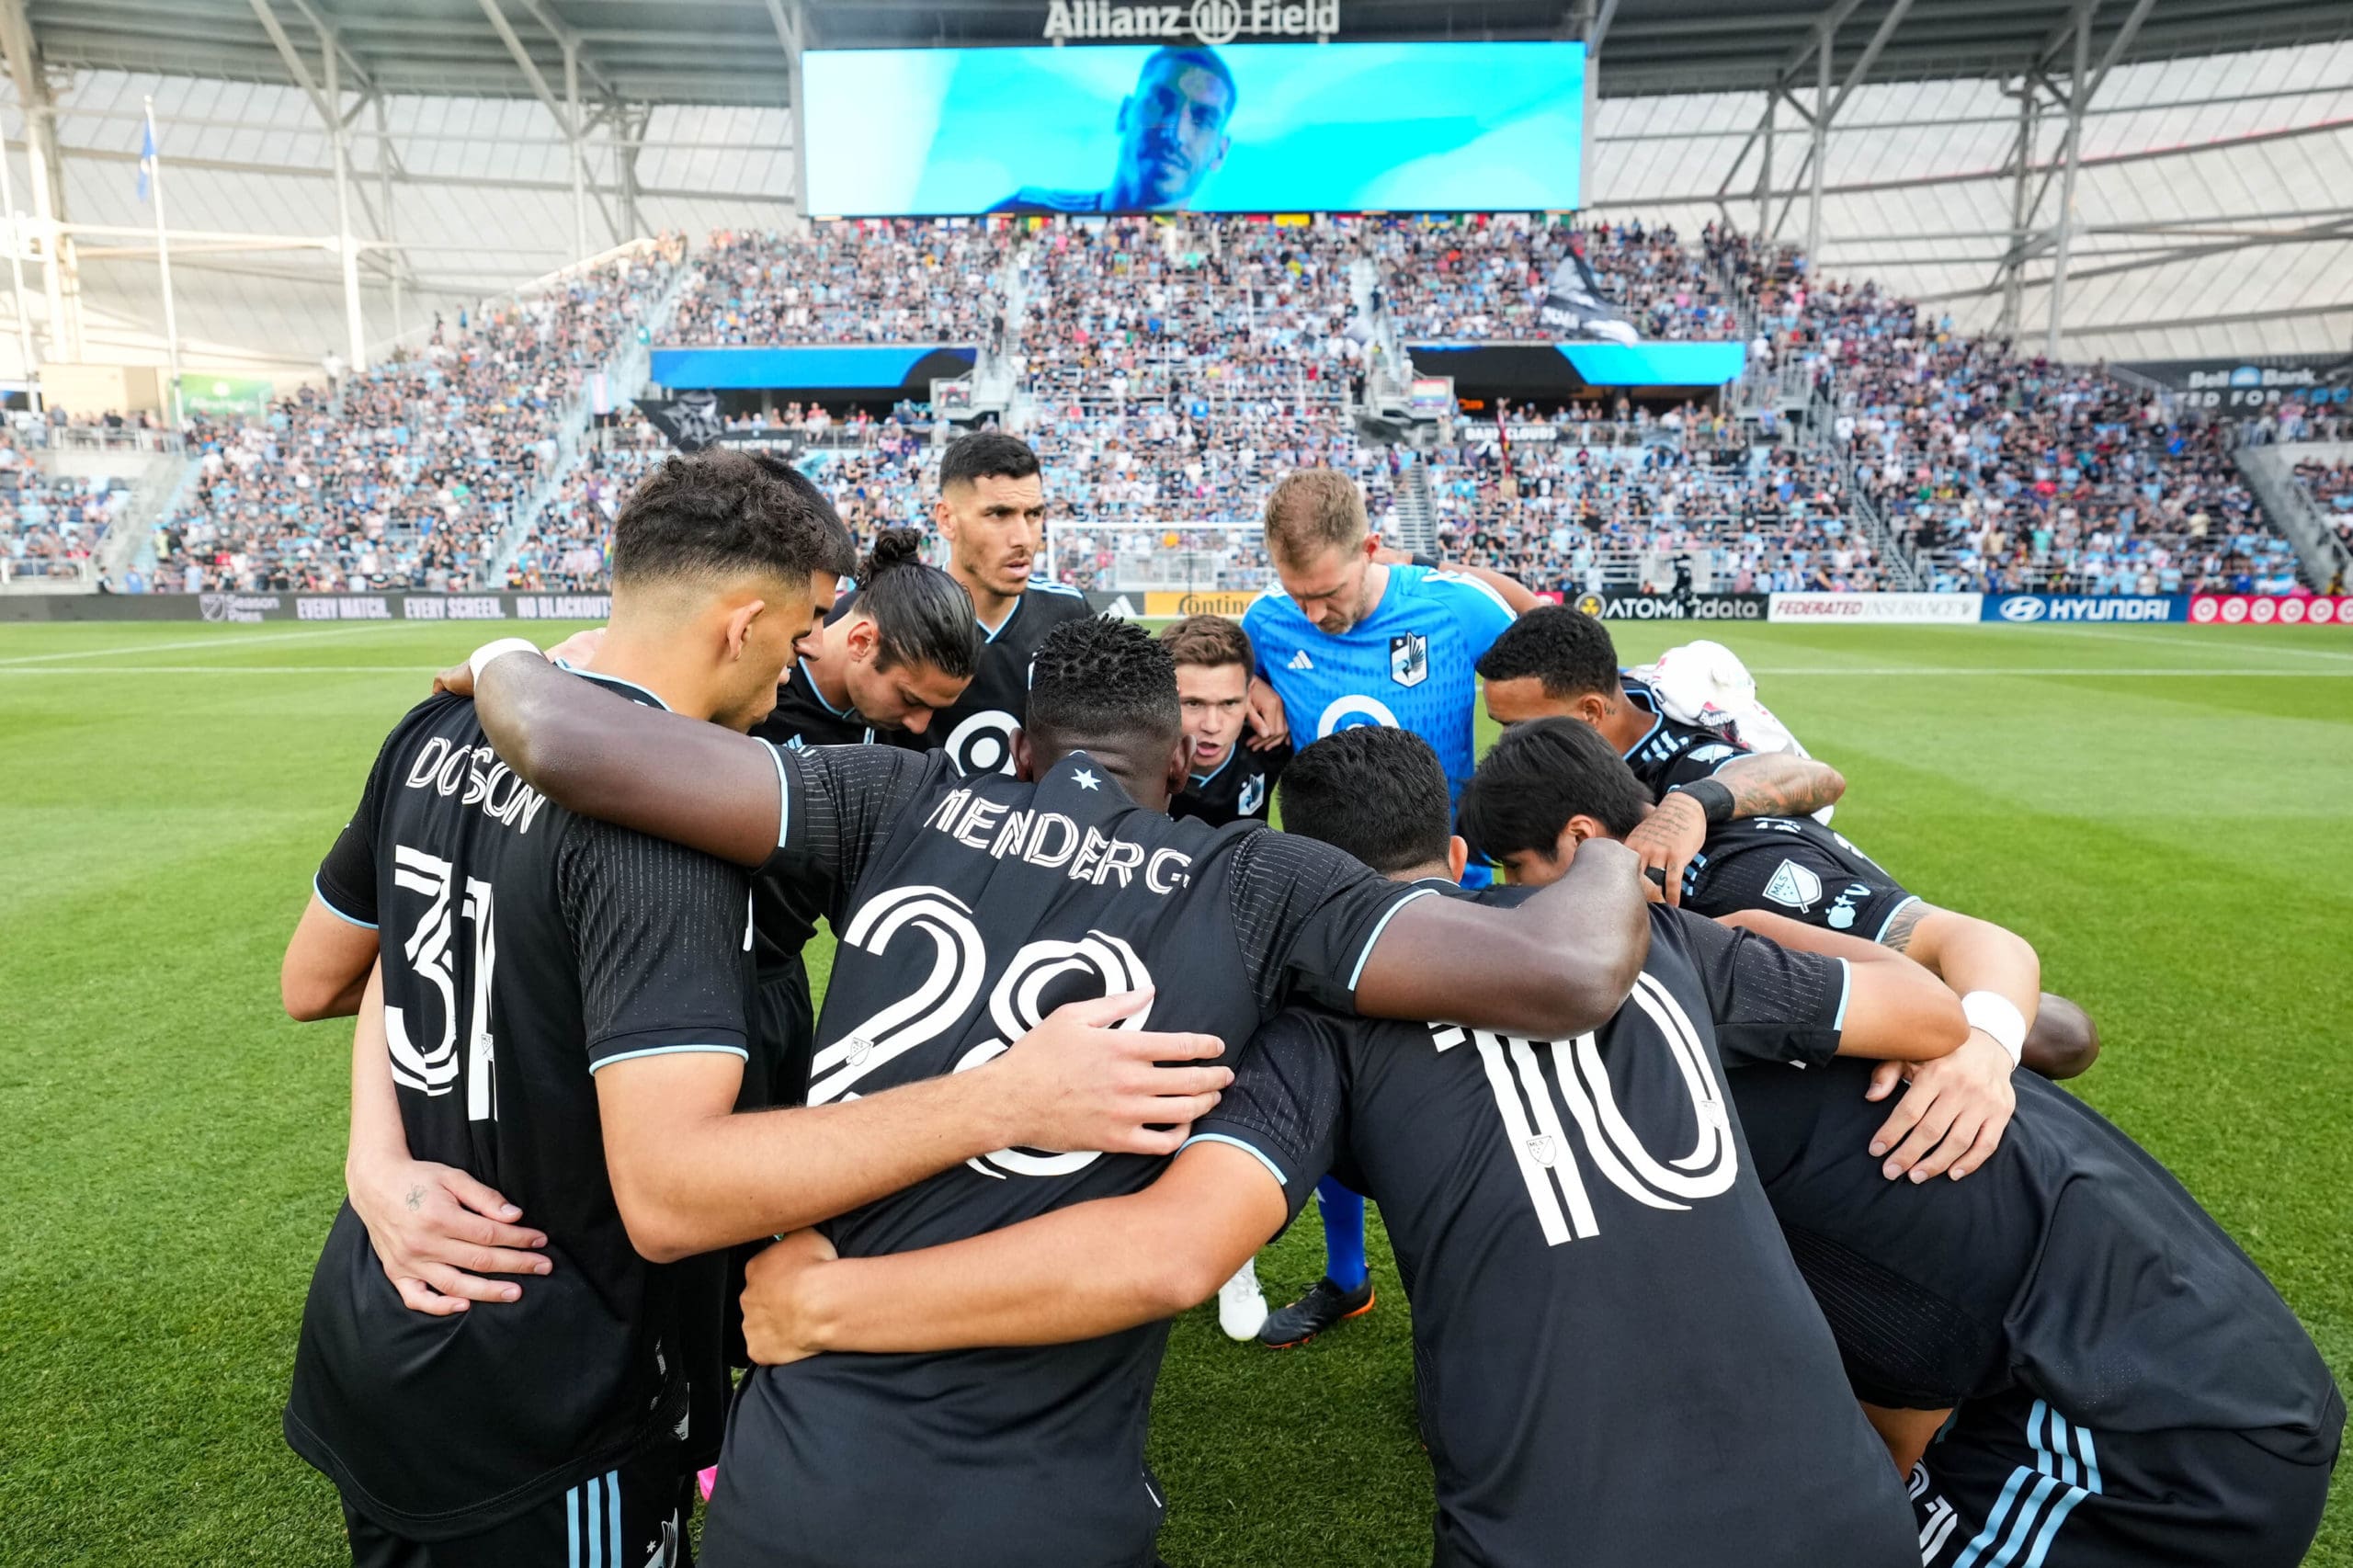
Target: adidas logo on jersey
<point>1299,661</point>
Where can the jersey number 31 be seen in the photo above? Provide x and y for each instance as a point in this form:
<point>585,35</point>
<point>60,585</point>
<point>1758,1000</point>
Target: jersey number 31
<point>434,1070</point>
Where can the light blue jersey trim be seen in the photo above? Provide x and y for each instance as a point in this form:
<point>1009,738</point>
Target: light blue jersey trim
<point>1382,924</point>
<point>990,633</point>
<point>783,797</point>
<point>1846,994</point>
<point>1891,914</point>
<point>819,693</point>
<point>1255,1152</point>
<point>673,1050</point>
<point>1047,585</point>
<point>614,680</point>
<point>1232,752</point>
<point>328,905</point>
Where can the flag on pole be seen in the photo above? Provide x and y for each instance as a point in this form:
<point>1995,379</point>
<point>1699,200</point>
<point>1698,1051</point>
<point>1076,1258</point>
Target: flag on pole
<point>147,160</point>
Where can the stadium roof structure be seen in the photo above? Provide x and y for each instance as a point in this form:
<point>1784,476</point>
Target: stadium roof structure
<point>2125,178</point>
<point>735,51</point>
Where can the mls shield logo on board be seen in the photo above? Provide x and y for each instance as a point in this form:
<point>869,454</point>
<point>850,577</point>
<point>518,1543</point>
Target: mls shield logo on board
<point>1409,658</point>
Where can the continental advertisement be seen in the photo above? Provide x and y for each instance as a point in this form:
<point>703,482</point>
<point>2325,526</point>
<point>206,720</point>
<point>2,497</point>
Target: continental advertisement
<point>1227,602</point>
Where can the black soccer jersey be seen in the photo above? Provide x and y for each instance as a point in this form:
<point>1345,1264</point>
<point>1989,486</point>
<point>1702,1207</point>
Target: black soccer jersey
<point>977,730</point>
<point>2070,1266</point>
<point>979,906</point>
<point>1672,752</point>
<point>523,949</point>
<point>804,717</point>
<point>1617,1364</point>
<point>1794,867</point>
<point>1242,787</point>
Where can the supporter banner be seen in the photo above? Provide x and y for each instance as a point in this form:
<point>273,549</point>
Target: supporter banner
<point>2246,388</point>
<point>1227,602</point>
<point>1140,126</point>
<point>1859,608</point>
<point>690,421</point>
<point>251,609</point>
<point>2019,610</point>
<point>2261,609</point>
<point>1574,305</point>
<point>1669,606</point>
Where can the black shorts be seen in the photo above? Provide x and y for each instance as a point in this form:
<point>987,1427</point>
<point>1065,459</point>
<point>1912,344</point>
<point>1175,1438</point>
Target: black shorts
<point>632,1517</point>
<point>2012,1483</point>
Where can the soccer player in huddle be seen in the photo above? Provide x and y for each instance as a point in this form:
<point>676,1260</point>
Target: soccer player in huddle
<point>1619,1362</point>
<point>991,512</point>
<point>1354,636</point>
<point>1232,779</point>
<point>965,906</point>
<point>2077,1366</point>
<point>558,1030</point>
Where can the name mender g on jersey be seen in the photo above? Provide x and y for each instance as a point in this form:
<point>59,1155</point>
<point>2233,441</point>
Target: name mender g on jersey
<point>1052,840</point>
<point>488,782</point>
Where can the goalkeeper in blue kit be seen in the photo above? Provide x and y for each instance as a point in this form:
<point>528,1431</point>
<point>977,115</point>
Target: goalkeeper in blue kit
<point>1357,634</point>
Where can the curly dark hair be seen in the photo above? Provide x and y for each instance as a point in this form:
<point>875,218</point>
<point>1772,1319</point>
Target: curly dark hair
<point>1567,650</point>
<point>721,513</point>
<point>1376,793</point>
<point>1101,679</point>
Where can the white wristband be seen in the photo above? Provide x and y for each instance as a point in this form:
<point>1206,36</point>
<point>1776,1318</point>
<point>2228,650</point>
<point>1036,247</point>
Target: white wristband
<point>1998,1017</point>
<point>489,650</point>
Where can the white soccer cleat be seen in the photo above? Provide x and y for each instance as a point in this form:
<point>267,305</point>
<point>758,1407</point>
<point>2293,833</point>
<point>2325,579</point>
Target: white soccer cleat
<point>1241,1305</point>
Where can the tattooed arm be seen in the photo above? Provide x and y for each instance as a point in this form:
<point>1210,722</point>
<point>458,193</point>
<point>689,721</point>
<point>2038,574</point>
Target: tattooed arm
<point>1770,784</point>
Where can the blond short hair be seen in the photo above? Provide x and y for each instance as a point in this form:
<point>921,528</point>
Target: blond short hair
<point>1312,509</point>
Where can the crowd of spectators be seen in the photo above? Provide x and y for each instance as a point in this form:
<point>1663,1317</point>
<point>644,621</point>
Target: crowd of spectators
<point>1484,278</point>
<point>406,474</point>
<point>2330,484</point>
<point>52,524</point>
<point>871,280</point>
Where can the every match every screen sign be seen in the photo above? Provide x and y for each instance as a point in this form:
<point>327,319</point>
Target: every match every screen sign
<point>1187,125</point>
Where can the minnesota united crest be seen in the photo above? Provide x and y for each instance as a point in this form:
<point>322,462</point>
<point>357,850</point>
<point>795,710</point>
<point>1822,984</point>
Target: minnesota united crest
<point>1409,658</point>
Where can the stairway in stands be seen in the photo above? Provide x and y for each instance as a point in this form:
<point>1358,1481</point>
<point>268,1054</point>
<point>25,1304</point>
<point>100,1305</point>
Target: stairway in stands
<point>1413,526</point>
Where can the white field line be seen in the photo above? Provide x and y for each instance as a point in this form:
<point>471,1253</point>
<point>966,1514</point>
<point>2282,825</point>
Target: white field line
<point>218,640</point>
<point>2194,639</point>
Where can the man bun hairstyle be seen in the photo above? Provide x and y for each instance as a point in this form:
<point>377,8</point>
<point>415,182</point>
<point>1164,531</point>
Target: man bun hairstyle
<point>1568,652</point>
<point>1101,680</point>
<point>1210,642</point>
<point>1539,775</point>
<point>721,513</point>
<point>985,454</point>
<point>922,616</point>
<point>1313,509</point>
<point>1378,793</point>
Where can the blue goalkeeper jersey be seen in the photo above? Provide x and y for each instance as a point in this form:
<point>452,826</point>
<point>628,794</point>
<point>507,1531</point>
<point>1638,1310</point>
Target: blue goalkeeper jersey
<point>1410,665</point>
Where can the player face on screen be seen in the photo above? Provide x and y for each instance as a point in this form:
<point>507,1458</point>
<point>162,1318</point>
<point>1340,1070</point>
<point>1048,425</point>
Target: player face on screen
<point>788,623</point>
<point>994,528</point>
<point>1211,697</point>
<point>1172,131</point>
<point>1332,588</point>
<point>903,697</point>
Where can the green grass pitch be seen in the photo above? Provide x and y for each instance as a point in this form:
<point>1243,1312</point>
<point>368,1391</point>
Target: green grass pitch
<point>2162,811</point>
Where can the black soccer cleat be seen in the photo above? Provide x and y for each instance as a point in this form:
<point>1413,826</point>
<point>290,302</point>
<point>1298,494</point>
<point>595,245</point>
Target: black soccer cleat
<point>1324,1306</point>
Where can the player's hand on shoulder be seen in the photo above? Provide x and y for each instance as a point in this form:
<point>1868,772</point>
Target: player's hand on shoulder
<point>579,649</point>
<point>1665,842</point>
<point>779,1326</point>
<point>1952,1114</point>
<point>1270,725</point>
<point>1076,1081</point>
<point>458,680</point>
<point>439,1234</point>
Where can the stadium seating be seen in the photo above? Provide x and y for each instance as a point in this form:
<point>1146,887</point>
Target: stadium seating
<point>54,524</point>
<point>1167,372</point>
<point>409,474</point>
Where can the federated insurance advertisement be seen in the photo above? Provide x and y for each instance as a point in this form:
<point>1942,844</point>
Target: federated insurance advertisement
<point>1241,127</point>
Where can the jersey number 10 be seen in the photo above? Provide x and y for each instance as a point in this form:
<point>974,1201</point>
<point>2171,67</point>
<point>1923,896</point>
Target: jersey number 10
<point>434,1070</point>
<point>1539,1141</point>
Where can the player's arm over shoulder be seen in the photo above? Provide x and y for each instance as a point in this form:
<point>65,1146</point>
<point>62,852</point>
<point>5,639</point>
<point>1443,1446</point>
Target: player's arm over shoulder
<point>1095,1267</point>
<point>1780,990</point>
<point>1554,967</point>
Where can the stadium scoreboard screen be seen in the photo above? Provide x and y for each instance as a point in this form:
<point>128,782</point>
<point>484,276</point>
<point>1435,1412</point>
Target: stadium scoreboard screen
<point>1183,125</point>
